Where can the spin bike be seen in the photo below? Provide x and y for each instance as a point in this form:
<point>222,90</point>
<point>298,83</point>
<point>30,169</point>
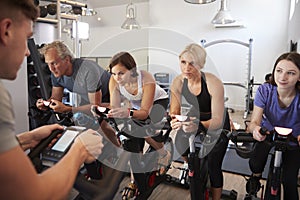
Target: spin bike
<point>144,165</point>
<point>196,176</point>
<point>96,182</point>
<point>281,139</point>
<point>200,146</point>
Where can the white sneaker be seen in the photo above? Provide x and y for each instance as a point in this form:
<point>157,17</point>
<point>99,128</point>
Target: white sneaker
<point>183,173</point>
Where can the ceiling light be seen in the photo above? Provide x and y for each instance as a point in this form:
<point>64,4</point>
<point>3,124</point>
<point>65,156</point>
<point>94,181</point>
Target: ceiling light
<point>130,22</point>
<point>223,16</point>
<point>199,1</point>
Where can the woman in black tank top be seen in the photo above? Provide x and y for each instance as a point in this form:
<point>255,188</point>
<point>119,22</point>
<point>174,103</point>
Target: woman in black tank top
<point>202,101</point>
<point>205,93</point>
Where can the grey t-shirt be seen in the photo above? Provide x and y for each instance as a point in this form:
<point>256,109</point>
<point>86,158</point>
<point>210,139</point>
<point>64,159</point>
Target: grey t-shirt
<point>7,121</point>
<point>87,77</point>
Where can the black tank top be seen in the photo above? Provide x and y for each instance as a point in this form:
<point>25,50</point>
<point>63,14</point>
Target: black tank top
<point>201,103</point>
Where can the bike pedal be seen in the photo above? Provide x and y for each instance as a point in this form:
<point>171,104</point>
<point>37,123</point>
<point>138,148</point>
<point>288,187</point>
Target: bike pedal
<point>229,194</point>
<point>253,185</point>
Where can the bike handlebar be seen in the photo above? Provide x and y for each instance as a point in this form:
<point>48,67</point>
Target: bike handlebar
<point>245,151</point>
<point>241,137</point>
<point>146,124</point>
<point>43,144</point>
<point>283,139</point>
<point>263,131</point>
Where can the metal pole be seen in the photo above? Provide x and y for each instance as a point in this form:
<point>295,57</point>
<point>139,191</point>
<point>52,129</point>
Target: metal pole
<point>58,20</point>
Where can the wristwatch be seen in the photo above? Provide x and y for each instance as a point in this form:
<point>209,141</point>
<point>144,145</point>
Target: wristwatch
<point>131,113</point>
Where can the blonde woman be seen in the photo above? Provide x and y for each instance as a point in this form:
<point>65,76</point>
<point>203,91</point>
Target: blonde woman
<point>205,92</point>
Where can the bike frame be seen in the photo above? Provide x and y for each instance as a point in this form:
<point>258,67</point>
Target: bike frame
<point>198,169</point>
<point>147,181</point>
<point>281,137</point>
<point>280,141</point>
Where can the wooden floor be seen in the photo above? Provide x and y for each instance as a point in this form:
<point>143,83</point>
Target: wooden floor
<point>171,192</point>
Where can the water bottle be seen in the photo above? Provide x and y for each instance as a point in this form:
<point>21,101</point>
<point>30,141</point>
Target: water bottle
<point>82,119</point>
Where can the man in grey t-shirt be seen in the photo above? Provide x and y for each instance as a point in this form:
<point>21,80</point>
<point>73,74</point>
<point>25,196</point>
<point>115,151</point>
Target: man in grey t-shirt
<point>83,77</point>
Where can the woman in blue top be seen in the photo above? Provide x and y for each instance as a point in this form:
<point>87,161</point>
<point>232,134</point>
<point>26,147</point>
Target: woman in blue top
<point>278,104</point>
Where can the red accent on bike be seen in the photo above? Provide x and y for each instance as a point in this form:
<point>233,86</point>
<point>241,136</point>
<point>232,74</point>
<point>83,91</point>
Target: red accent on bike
<point>151,179</point>
<point>273,191</point>
<point>101,171</point>
<point>206,194</point>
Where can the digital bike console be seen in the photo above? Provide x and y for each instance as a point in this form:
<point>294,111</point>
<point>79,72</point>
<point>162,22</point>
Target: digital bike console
<point>53,154</point>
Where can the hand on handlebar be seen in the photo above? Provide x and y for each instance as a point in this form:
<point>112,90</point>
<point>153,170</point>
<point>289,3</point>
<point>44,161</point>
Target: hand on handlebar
<point>175,124</point>
<point>118,113</point>
<point>257,135</point>
<point>92,141</point>
<point>57,106</point>
<point>94,110</point>
<point>187,126</point>
<point>40,104</point>
<point>190,126</point>
<point>42,132</point>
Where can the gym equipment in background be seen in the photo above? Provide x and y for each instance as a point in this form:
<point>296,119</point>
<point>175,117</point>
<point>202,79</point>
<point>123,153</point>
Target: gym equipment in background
<point>248,85</point>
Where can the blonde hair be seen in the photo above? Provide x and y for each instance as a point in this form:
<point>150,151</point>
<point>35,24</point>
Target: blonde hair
<point>197,52</point>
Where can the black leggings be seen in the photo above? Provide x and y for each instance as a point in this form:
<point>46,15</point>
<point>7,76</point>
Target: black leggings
<point>157,113</point>
<point>158,110</point>
<point>215,157</point>
<point>290,167</point>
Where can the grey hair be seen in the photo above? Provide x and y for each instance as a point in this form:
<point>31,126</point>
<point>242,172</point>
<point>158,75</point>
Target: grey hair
<point>62,50</point>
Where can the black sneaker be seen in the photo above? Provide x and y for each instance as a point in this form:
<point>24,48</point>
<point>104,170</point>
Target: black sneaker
<point>253,185</point>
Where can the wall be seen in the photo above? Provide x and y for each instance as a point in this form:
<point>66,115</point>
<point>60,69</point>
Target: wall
<point>294,23</point>
<point>43,33</point>
<point>166,32</point>
<point>19,96</point>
